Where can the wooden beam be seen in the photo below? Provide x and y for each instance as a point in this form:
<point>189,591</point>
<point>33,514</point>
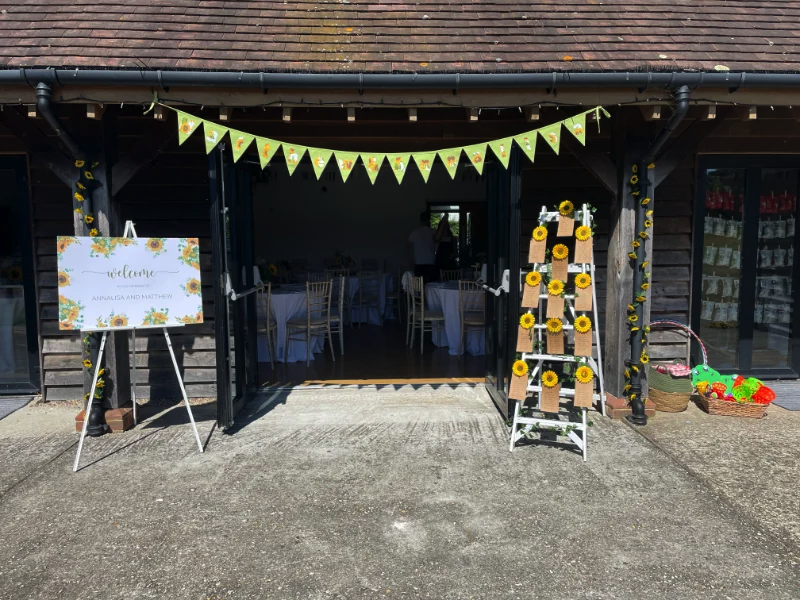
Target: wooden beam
<point>795,112</point>
<point>286,115</point>
<point>596,163</point>
<point>95,111</point>
<point>225,113</point>
<point>159,113</point>
<point>412,115</point>
<point>147,148</point>
<point>33,113</point>
<point>709,112</point>
<point>531,113</point>
<point>472,115</point>
<point>351,115</point>
<point>651,112</point>
<point>746,113</point>
<point>39,145</point>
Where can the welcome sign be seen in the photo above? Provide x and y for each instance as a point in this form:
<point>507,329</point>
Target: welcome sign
<point>120,283</point>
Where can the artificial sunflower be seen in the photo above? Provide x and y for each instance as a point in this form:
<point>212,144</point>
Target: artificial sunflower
<point>632,255</point>
<point>631,308</point>
<point>79,163</point>
<point>633,318</point>
<point>533,279</point>
<point>635,193</point>
<point>632,397</point>
<point>634,180</point>
<point>555,287</point>
<point>627,374</point>
<point>584,374</point>
<point>647,328</point>
<point>539,233</point>
<point>100,372</point>
<point>79,197</point>
<point>633,329</point>
<point>79,210</point>
<point>651,166</point>
<point>649,213</point>
<point>643,235</point>
<point>520,368</point>
<point>87,363</point>
<point>273,270</point>
<point>645,201</point>
<point>93,232</point>
<point>583,233</point>
<point>645,263</point>
<point>560,252</point>
<point>644,359</point>
<point>583,324</point>
<point>80,186</point>
<point>526,321</point>
<point>645,286</point>
<point>583,280</point>
<point>88,175</point>
<point>554,325</point>
<point>648,224</point>
<point>626,389</point>
<point>88,219</point>
<point>566,208</point>
<point>100,383</point>
<point>549,379</point>
<point>636,243</point>
<point>635,169</point>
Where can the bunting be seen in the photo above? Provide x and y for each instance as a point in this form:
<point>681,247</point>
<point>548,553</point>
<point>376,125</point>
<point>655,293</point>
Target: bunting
<point>399,162</point>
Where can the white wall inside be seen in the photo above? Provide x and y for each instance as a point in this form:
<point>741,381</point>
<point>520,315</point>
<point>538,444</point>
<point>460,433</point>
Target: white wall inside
<point>299,217</point>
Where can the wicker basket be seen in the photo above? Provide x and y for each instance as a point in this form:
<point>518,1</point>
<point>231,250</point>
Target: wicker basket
<point>713,406</point>
<point>669,401</point>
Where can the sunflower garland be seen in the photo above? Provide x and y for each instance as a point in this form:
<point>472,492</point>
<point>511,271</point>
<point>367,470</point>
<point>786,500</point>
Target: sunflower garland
<point>554,325</point>
<point>539,233</point>
<point>583,280</point>
<point>533,279</point>
<point>526,321</point>
<point>560,252</point>
<point>584,374</point>
<point>583,324</point>
<point>520,368</point>
<point>555,287</point>
<point>549,379</point>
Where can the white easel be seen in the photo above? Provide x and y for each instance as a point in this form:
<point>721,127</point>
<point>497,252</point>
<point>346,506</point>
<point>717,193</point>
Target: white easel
<point>131,232</point>
<point>576,432</point>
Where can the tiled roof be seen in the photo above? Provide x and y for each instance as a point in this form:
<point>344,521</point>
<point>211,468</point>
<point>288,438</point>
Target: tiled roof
<point>400,36</point>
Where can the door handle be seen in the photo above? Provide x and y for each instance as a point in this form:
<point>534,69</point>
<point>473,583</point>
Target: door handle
<point>503,287</point>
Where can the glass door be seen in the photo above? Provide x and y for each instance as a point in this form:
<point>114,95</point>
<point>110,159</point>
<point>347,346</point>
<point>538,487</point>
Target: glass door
<point>744,276</point>
<point>19,356</point>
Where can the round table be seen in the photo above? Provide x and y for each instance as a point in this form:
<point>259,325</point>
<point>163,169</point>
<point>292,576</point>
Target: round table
<point>443,296</point>
<point>288,302</point>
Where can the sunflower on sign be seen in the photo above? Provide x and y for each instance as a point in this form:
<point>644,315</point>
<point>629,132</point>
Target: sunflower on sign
<point>539,233</point>
<point>584,374</point>
<point>560,252</point>
<point>566,208</point>
<point>527,321</point>
<point>549,379</point>
<point>533,279</point>
<point>520,368</point>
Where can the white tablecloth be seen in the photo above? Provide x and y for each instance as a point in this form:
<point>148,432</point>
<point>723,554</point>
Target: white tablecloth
<point>371,316</point>
<point>288,302</point>
<point>444,297</point>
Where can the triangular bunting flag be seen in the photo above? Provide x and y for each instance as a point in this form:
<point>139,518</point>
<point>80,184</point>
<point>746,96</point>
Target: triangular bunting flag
<point>293,154</point>
<point>527,141</point>
<point>552,135</point>
<point>450,158</point>
<point>372,163</point>
<point>399,164</point>
<point>424,161</point>
<point>186,125</point>
<point>319,159</point>
<point>476,155</point>
<point>502,150</point>
<point>239,143</point>
<point>346,162</point>
<point>577,126</point>
<point>214,133</point>
<point>267,148</point>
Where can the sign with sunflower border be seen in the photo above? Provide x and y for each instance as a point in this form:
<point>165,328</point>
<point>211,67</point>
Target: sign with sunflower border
<point>107,283</point>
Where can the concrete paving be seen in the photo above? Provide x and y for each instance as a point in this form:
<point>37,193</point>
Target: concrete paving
<point>368,494</point>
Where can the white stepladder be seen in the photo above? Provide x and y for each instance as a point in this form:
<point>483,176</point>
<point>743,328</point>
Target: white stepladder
<point>576,432</point>
<point>131,232</point>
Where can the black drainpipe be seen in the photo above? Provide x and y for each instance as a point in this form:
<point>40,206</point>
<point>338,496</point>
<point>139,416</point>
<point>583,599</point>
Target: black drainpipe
<point>638,416</point>
<point>97,421</point>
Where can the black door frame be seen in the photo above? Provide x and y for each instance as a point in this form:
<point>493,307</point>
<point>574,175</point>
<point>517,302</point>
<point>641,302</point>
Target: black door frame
<point>23,227</point>
<point>753,164</point>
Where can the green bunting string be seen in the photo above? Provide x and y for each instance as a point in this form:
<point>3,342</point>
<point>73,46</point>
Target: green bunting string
<point>398,162</point>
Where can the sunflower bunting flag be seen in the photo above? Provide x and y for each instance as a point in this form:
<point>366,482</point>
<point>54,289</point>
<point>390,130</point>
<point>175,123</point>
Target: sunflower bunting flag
<point>399,164</point>
<point>502,150</point>
<point>450,158</point>
<point>213,135</point>
<point>239,143</point>
<point>552,135</point>
<point>372,163</point>
<point>527,141</point>
<point>577,126</point>
<point>266,150</point>
<point>476,155</point>
<point>293,154</point>
<point>186,125</point>
<point>346,161</point>
<point>424,161</point>
<point>319,159</point>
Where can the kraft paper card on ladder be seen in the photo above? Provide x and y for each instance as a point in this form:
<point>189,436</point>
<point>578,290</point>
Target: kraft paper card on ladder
<point>536,251</point>
<point>566,225</point>
<point>524,339</point>
<point>531,290</point>
<point>548,399</point>
<point>583,297</point>
<point>555,306</point>
<point>583,343</point>
<point>518,389</point>
<point>555,343</point>
<point>583,250</point>
<point>560,269</point>
<point>583,394</point>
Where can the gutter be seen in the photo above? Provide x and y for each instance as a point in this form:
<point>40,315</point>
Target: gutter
<point>365,81</point>
<point>43,97</point>
<point>683,95</point>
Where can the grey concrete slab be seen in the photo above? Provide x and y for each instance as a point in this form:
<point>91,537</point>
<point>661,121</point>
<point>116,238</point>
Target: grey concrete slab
<point>753,463</point>
<point>9,405</point>
<point>360,494</point>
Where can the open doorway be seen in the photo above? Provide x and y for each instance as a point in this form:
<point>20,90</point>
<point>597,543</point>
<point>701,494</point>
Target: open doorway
<point>309,229</point>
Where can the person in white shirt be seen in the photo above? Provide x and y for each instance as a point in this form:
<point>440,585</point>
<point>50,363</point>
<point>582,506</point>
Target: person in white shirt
<point>422,249</point>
